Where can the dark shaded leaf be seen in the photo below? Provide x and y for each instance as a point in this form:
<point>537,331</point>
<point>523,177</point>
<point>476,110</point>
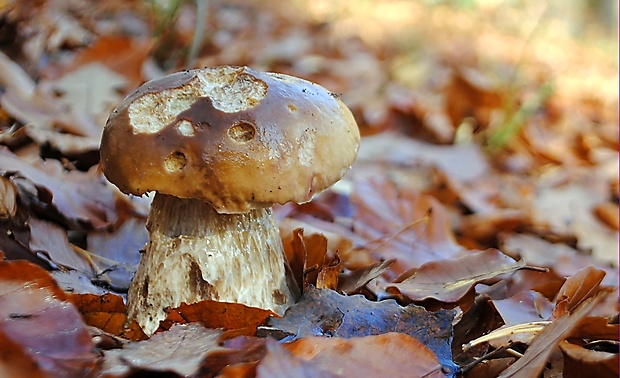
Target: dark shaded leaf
<point>327,313</point>
<point>479,319</point>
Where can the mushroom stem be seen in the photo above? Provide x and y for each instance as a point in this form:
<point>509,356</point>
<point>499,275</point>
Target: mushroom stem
<point>195,253</point>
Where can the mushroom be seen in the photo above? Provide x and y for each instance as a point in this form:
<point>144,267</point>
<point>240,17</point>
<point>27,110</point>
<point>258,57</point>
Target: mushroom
<point>220,146</point>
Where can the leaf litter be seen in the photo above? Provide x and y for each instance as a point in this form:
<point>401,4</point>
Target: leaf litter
<point>476,161</point>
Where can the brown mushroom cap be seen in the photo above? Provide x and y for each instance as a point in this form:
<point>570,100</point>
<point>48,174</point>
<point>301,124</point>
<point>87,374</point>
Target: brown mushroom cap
<point>231,136</point>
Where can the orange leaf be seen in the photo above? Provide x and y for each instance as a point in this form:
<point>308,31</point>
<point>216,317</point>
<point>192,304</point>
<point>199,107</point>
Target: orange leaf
<point>213,314</point>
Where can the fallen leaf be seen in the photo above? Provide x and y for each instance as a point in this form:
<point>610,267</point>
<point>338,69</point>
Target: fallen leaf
<point>449,280</point>
<point>463,163</point>
<point>327,313</point>
<point>577,288</point>
<point>306,256</point>
<point>108,313</point>
<point>533,361</point>
<point>400,224</point>
<point>51,240</point>
<point>74,282</point>
<point>214,314</point>
<point>479,319</point>
<point>125,55</point>
<point>595,328</point>
<point>608,213</point>
<point>77,195</point>
<point>581,362</point>
<point>181,350</point>
<point>387,355</point>
<point>91,89</point>
<point>490,368</point>
<point>280,363</point>
<point>569,209</point>
<point>69,145</point>
<point>471,94</point>
<point>123,244</point>
<point>524,307</point>
<point>559,257</point>
<point>352,281</point>
<point>8,198</point>
<point>35,319</point>
<point>328,275</point>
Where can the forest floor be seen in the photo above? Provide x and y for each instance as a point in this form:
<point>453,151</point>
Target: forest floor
<point>475,235</point>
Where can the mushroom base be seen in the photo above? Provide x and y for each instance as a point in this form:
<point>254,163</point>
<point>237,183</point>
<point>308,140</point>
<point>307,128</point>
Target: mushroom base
<point>194,254</point>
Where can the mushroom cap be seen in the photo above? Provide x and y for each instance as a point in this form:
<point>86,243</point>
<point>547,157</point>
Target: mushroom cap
<point>234,137</point>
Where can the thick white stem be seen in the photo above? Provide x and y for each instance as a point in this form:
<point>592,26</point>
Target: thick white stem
<point>194,253</point>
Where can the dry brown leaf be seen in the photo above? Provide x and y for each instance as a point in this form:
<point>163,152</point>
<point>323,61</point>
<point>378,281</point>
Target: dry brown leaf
<point>596,328</point>
<point>35,319</point>
<point>351,282</point>
<point>80,197</point>
<point>280,363</point>
<point>108,313</point>
<point>470,94</point>
<point>306,256</point>
<point>608,213</point>
<point>217,315</point>
<point>91,89</point>
<point>524,307</point>
<point>8,198</point>
<point>581,362</point>
<point>70,145</point>
<point>462,163</point>
<point>481,318</point>
<point>180,350</point>
<point>568,209</point>
<point>449,280</point>
<point>328,275</point>
<point>51,240</point>
<point>123,54</point>
<point>533,361</point>
<point>401,224</point>
<point>390,354</point>
<point>559,257</point>
<point>577,288</point>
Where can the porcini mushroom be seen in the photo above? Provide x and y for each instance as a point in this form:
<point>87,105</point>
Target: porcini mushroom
<point>220,146</point>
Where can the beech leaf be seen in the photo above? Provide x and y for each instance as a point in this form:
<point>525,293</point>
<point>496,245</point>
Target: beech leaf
<point>327,313</point>
<point>77,195</point>
<point>533,361</point>
<point>180,350</point>
<point>214,314</point>
<point>387,355</point>
<point>449,280</point>
<point>401,224</point>
<point>35,320</point>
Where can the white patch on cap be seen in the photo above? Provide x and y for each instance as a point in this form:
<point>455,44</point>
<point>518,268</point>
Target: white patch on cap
<point>306,147</point>
<point>186,128</point>
<point>230,89</point>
